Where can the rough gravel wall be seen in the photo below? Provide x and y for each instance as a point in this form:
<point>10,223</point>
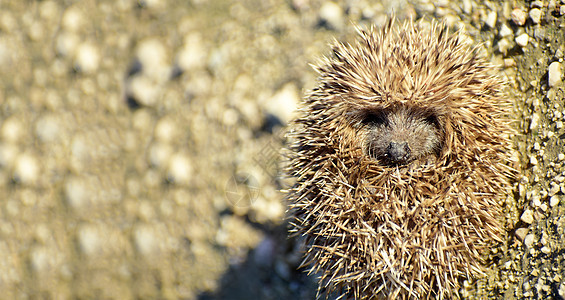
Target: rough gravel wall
<point>139,139</point>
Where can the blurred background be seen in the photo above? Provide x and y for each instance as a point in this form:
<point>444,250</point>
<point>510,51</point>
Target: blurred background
<point>140,140</point>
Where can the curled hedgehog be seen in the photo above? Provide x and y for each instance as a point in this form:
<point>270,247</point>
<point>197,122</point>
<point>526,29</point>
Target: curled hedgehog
<point>401,161</point>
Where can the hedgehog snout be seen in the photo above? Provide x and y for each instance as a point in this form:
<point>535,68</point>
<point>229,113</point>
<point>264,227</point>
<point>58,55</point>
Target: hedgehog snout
<point>398,152</point>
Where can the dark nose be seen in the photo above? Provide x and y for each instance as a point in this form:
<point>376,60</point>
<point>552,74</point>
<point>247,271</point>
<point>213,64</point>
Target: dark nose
<point>398,152</point>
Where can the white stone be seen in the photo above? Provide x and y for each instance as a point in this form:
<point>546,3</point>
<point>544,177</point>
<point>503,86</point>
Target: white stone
<point>145,240</point>
<point>166,130</point>
<point>284,102</point>
<point>26,169</point>
<point>73,19</point>
<point>8,153</point>
<point>527,216</point>
<point>533,160</point>
<point>12,129</point>
<point>332,14</point>
<point>491,19</point>
<point>66,43</point>
<point>535,15</point>
<point>145,90</point>
<point>554,74</point>
<point>153,57</point>
<point>87,58</point>
<point>193,54</point>
<point>519,16</point>
<point>89,239</point>
<point>505,30</point>
<point>77,192</point>
<point>159,154</point>
<point>47,128</point>
<point>535,121</point>
<point>39,259</point>
<point>529,240</point>
<point>180,169</point>
<point>522,40</point>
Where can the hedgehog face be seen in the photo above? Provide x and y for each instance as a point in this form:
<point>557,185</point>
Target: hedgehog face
<point>400,135</point>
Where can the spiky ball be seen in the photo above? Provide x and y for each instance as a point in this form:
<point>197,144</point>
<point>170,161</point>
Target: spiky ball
<point>401,161</point>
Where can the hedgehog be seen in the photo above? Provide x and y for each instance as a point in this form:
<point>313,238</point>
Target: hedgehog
<point>401,160</point>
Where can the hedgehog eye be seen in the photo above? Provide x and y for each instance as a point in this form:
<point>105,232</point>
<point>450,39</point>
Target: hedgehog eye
<point>375,118</point>
<point>432,120</point>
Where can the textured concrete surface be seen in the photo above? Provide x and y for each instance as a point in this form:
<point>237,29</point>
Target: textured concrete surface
<point>139,143</point>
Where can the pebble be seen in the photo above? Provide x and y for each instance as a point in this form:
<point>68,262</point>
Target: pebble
<point>554,189</point>
<point>87,58</point>
<point>159,154</point>
<point>284,102</point>
<point>77,193</point>
<point>519,17</point>
<point>527,216</point>
<point>535,15</point>
<point>533,160</point>
<point>47,128</point>
<point>145,240</point>
<point>180,169</point>
<point>26,169</point>
<point>332,15</point>
<point>503,46</point>
<point>72,19</point>
<point>193,53</point>
<point>505,30</point>
<point>89,240</point>
<point>522,40</point>
<point>521,233</point>
<point>491,19</point>
<point>553,201</point>
<point>561,156</point>
<point>39,259</point>
<point>166,130</point>
<point>152,56</point>
<point>529,240</point>
<point>545,250</point>
<point>535,121</point>
<point>554,74</point>
<point>12,129</point>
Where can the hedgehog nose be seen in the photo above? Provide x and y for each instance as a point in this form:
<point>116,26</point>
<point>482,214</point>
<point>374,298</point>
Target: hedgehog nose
<point>398,152</point>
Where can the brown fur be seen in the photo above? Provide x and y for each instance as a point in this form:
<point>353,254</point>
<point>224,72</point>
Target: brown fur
<point>414,227</point>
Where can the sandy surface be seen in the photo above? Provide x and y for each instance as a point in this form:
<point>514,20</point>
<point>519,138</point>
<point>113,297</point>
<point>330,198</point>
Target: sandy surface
<point>139,143</point>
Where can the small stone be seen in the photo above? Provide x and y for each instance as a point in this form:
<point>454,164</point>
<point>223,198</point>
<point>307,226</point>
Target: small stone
<point>180,169</point>
<point>553,201</point>
<point>193,54</point>
<point>536,4</point>
<point>503,46</point>
<point>519,17</point>
<point>527,216</point>
<point>47,128</point>
<point>545,250</point>
<point>72,19</point>
<point>521,233</point>
<point>561,156</point>
<point>554,189</point>
<point>26,170</point>
<point>554,74</point>
<point>533,160</point>
<point>491,19</point>
<point>522,40</point>
<point>505,30</point>
<point>145,240</point>
<point>331,14</point>
<point>166,130</point>
<point>77,193</point>
<point>562,10</point>
<point>39,259</point>
<point>529,240</point>
<point>89,240</point>
<point>284,102</point>
<point>87,58</point>
<point>535,121</point>
<point>535,15</point>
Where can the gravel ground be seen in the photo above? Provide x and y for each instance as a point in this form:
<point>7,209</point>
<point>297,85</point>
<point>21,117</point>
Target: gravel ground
<point>139,143</point>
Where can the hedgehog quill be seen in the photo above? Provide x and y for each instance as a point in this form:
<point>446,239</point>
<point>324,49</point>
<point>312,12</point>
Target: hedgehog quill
<point>401,159</point>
